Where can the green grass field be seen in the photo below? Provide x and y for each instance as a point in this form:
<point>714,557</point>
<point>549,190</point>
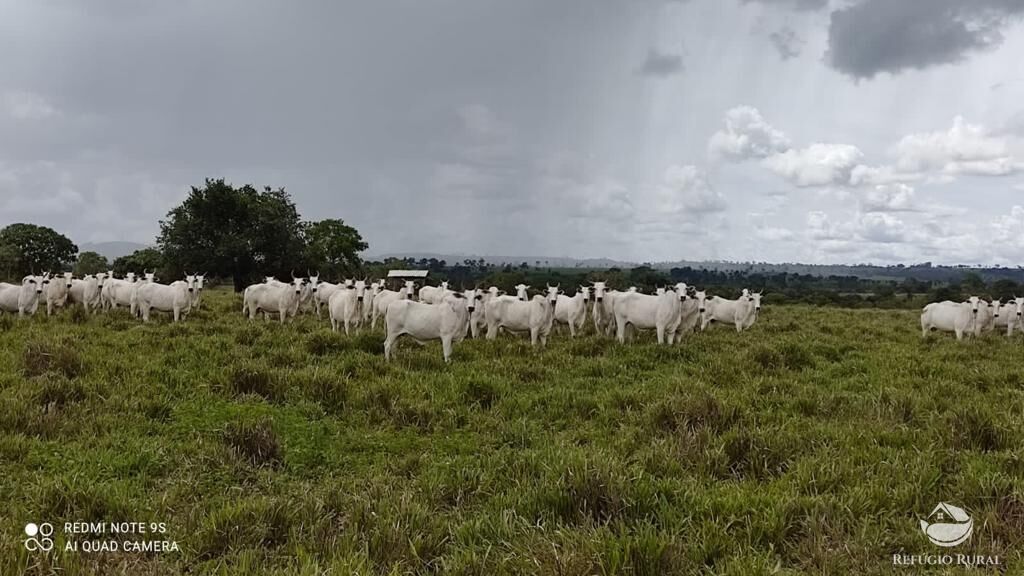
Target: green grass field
<point>811,444</point>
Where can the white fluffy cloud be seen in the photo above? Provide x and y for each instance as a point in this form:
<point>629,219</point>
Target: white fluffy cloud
<point>889,198</point>
<point>747,135</point>
<point>963,149</point>
<point>816,165</point>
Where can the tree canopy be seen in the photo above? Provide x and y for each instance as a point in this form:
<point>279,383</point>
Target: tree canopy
<point>144,260</point>
<point>28,248</point>
<point>241,233</point>
<point>90,263</point>
<point>333,247</point>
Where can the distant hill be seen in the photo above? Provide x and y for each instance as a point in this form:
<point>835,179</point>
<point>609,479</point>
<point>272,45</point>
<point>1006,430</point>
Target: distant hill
<point>545,261</point>
<point>111,250</point>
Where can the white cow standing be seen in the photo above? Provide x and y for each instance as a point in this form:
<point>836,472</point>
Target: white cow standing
<point>446,321</point>
<point>740,313</point>
<point>572,311</point>
<point>346,306</point>
<point>434,294</point>
<point>988,316</point>
<point>55,291</point>
<point>478,318</point>
<point>661,312</point>
<point>534,316</point>
<point>21,299</point>
<point>84,291</point>
<point>691,313</point>
<point>197,295</point>
<point>957,317</point>
<point>273,297</point>
<point>371,294</point>
<point>1011,315</point>
<point>118,292</point>
<point>385,297</point>
<point>175,298</point>
<point>147,278</point>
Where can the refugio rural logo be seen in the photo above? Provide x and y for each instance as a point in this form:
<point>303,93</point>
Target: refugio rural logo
<point>946,526</point>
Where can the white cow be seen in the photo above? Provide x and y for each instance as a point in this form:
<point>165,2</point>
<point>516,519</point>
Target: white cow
<point>175,298</point>
<point>118,292</point>
<point>446,321</point>
<point>371,293</point>
<point>988,316</point>
<point>346,306</point>
<point>79,288</point>
<point>22,299</point>
<point>599,312</point>
<point>434,294</point>
<point>957,317</point>
<point>573,311</point>
<point>276,297</point>
<point>148,278</point>
<point>197,295</point>
<point>692,311</point>
<point>478,319</point>
<point>1011,315</point>
<point>385,297</point>
<point>740,313</point>
<point>55,291</point>
<point>662,312</point>
<point>533,316</point>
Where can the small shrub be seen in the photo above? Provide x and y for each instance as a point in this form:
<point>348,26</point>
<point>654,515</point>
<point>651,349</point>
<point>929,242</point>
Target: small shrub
<point>254,442</point>
<point>693,413</point>
<point>58,391</point>
<point>61,357</point>
<point>480,393</point>
<point>249,380</point>
<point>974,429</point>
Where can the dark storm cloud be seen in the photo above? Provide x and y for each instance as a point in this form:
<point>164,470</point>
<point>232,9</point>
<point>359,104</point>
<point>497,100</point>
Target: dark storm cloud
<point>659,63</point>
<point>786,42</point>
<point>877,36</point>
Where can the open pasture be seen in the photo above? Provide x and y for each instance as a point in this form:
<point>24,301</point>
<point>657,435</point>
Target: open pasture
<point>811,444</point>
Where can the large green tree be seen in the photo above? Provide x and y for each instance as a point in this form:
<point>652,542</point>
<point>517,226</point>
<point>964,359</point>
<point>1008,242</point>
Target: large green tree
<point>27,248</point>
<point>333,247</point>
<point>241,233</point>
<point>90,263</point>
<point>141,261</point>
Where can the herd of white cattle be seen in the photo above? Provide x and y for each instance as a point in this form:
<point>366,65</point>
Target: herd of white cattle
<point>973,317</point>
<point>102,291</point>
<point>441,313</point>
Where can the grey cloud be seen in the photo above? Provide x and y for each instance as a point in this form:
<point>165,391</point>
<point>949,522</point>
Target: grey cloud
<point>661,64</point>
<point>786,42</point>
<point>795,4</point>
<point>876,36</point>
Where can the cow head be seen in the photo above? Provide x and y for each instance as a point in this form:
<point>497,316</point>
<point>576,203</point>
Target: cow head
<point>494,292</point>
<point>521,292</point>
<point>349,283</point>
<point>996,305</point>
<point>682,290</point>
<point>444,285</point>
<point>150,276</point>
<point>632,289</point>
<point>130,277</point>
<point>360,287</point>
<point>1018,305</point>
<point>551,295</point>
<point>975,303</point>
<point>100,278</point>
<point>599,289</point>
<point>701,297</point>
<point>756,299</point>
<point>585,290</point>
<point>471,297</point>
<point>314,282</point>
<point>35,282</point>
<point>190,282</point>
<point>200,282</point>
<point>297,284</point>
<point>410,286</point>
<point>67,279</point>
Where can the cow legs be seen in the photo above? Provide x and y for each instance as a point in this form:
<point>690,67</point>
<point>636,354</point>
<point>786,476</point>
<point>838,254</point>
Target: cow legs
<point>389,343</point>
<point>621,331</point>
<point>446,345</point>
<point>492,330</point>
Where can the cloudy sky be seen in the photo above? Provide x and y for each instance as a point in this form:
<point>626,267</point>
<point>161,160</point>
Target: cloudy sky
<point>775,130</point>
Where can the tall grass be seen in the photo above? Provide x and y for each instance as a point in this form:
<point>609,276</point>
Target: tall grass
<point>811,444</point>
